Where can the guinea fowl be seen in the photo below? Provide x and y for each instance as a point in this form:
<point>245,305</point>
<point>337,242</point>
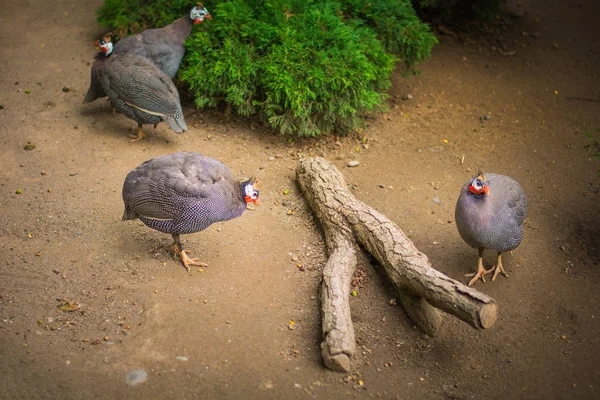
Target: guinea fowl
<point>95,91</point>
<point>164,46</point>
<point>489,215</point>
<point>185,193</point>
<point>138,89</point>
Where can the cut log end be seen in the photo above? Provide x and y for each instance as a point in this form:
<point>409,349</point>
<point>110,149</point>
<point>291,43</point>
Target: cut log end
<point>338,362</point>
<point>488,315</point>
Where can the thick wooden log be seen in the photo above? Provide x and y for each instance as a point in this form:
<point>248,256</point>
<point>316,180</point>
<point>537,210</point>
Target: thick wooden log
<point>423,314</point>
<point>338,344</point>
<point>328,195</point>
<point>410,270</point>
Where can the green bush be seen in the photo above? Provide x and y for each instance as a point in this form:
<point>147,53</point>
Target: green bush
<point>398,28</point>
<point>307,67</point>
<point>133,16</point>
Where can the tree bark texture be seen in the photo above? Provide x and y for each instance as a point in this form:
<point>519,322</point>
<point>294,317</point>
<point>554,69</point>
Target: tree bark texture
<point>347,222</point>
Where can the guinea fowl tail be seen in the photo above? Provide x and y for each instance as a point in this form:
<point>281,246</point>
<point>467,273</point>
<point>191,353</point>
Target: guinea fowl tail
<point>90,96</point>
<point>177,124</point>
<point>128,214</point>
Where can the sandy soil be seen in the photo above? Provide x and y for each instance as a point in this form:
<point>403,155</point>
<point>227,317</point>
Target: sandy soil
<point>62,238</point>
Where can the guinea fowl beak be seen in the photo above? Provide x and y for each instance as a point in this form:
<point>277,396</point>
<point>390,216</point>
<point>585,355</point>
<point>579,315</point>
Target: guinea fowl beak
<point>484,190</point>
<point>249,199</point>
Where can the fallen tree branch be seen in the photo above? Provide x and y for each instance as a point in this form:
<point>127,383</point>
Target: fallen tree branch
<point>347,222</point>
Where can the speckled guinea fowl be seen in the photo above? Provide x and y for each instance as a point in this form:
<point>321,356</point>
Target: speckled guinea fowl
<point>96,91</point>
<point>185,193</point>
<point>164,46</point>
<point>138,89</point>
<point>489,215</point>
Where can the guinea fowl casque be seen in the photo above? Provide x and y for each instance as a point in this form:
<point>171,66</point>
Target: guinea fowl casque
<point>138,89</point>
<point>163,46</point>
<point>185,193</point>
<point>489,215</point>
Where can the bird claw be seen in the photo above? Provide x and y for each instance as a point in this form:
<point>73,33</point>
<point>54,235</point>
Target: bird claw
<point>136,138</point>
<point>139,136</point>
<point>188,261</point>
<point>497,270</point>
<point>476,276</point>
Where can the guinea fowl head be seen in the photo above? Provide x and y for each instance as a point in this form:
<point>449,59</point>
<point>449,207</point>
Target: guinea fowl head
<point>479,186</point>
<point>250,190</point>
<point>105,44</point>
<point>199,13</point>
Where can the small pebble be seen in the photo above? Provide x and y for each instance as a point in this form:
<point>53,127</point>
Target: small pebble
<point>353,163</point>
<point>136,377</point>
<point>66,89</point>
<point>436,200</point>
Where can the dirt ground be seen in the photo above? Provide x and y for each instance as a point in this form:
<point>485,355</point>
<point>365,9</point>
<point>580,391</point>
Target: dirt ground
<point>224,332</point>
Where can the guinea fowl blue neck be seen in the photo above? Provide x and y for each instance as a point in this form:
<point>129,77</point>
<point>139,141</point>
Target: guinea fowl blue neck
<point>198,14</point>
<point>182,27</point>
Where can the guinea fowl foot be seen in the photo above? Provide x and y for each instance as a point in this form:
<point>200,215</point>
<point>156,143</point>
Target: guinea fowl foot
<point>186,260</point>
<point>480,274</point>
<point>497,269</point>
<point>139,136</point>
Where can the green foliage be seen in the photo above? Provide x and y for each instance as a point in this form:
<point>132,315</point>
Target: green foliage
<point>457,11</point>
<point>398,27</point>
<point>594,147</point>
<point>133,16</point>
<point>307,67</point>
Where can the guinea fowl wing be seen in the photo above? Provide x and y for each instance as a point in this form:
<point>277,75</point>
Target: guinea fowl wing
<point>137,82</point>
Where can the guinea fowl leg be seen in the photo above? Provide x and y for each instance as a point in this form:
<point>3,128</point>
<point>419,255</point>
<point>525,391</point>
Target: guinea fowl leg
<point>498,269</point>
<point>139,136</point>
<point>185,259</point>
<point>481,271</point>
